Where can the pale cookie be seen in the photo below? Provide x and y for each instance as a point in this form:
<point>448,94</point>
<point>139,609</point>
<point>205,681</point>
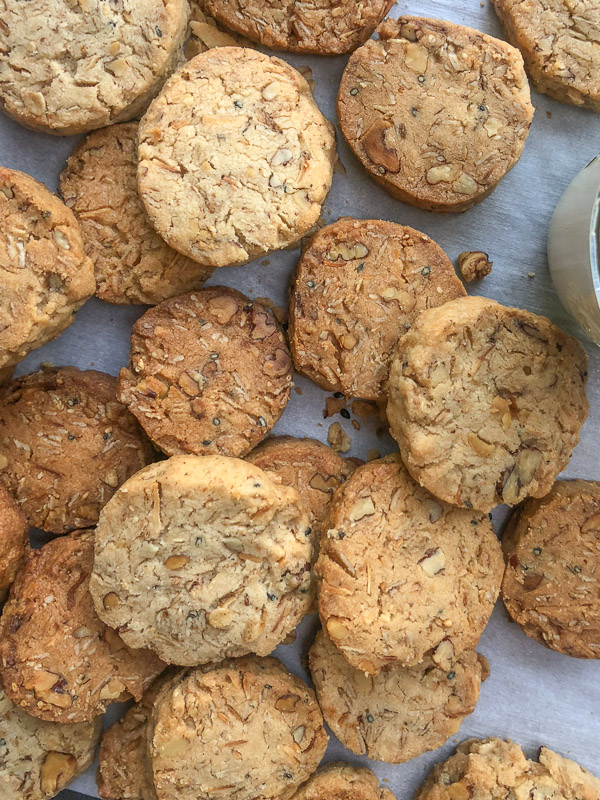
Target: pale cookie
<point>38,759</point>
<point>400,713</point>
<point>357,288</point>
<point>324,27</point>
<point>435,112</point>
<point>235,158</point>
<point>560,42</point>
<point>44,272</point>
<point>201,558</point>
<point>210,373</point>
<point>552,553</point>
<point>402,574</point>
<point>247,728</point>
<point>70,66</point>
<point>58,661</point>
<point>492,769</point>
<point>13,540</point>
<point>486,402</point>
<point>205,32</point>
<point>340,781</point>
<point>132,263</point>
<point>65,445</point>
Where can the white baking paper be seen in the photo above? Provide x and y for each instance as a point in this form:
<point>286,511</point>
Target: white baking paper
<point>534,696</point>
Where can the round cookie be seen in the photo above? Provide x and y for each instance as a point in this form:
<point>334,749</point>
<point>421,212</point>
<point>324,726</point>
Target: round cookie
<point>235,158</point>
<point>486,402</point>
<point>340,781</point>
<point>559,42</point>
<point>201,558</point>
<point>324,27</point>
<point>44,271</point>
<point>362,283</point>
<point>247,726</point>
<point>210,373</point>
<point>401,573</point>
<point>492,769</point>
<point>400,713</point>
<point>13,540</point>
<point>70,67</point>
<point>65,445</point>
<point>132,263</point>
<point>552,567</point>
<point>435,112</point>
<point>58,661</point>
<point>38,759</point>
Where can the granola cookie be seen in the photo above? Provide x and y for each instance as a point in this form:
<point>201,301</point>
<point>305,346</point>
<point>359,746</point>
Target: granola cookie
<point>13,540</point>
<point>435,112</point>
<point>402,574</point>
<point>44,272</point>
<point>492,769</point>
<point>38,759</point>
<point>357,288</point>
<point>552,565</point>
<point>324,27</point>
<point>246,726</point>
<point>202,558</point>
<point>340,781</point>
<point>70,66</point>
<point>58,661</point>
<point>235,158</point>
<point>400,713</point>
<point>66,444</point>
<point>486,402</point>
<point>132,263</point>
<point>559,41</point>
<point>210,373</point>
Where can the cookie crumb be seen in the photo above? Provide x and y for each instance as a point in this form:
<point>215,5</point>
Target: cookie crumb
<point>334,405</point>
<point>338,438</point>
<point>298,390</point>
<point>373,455</point>
<point>549,114</point>
<point>531,274</point>
<point>474,265</point>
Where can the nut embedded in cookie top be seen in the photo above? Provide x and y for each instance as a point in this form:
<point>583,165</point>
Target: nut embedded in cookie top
<point>235,158</point>
<point>436,113</point>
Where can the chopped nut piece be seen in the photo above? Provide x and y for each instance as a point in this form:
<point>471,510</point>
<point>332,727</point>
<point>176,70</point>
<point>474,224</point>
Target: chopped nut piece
<point>287,703</point>
<point>474,265</point>
<point>176,562</point>
<point>444,654</point>
<point>56,771</point>
<point>434,562</point>
<point>338,438</point>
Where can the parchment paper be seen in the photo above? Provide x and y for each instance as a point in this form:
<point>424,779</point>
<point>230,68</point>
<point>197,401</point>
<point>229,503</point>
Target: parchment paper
<point>534,696</point>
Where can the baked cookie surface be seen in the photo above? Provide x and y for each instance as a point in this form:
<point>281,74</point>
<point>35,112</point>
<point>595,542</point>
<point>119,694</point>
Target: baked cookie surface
<point>457,125</point>
<point>44,271</point>
<point>363,283</point>
<point>58,661</point>
<point>400,713</point>
<point>82,442</point>
<point>340,781</point>
<point>202,558</point>
<point>246,724</point>
<point>235,158</point>
<point>13,540</point>
<point>210,373</point>
<point>486,402</point>
<point>69,67</point>
<point>402,573</point>
<point>552,567</point>
<point>559,42</point>
<point>131,262</point>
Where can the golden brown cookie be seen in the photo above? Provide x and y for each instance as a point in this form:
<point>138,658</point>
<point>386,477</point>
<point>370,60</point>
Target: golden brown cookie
<point>70,66</point>
<point>552,562</point>
<point>13,540</point>
<point>486,402</point>
<point>247,728</point>
<point>132,263</point>
<point>66,444</point>
<point>324,27</point>
<point>210,373</point>
<point>357,288</point>
<point>435,112</point>
<point>58,661</point>
<point>44,272</point>
<point>400,713</point>
<point>340,781</point>
<point>559,41</point>
<point>402,574</point>
<point>235,158</point>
